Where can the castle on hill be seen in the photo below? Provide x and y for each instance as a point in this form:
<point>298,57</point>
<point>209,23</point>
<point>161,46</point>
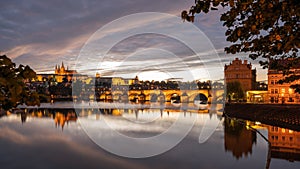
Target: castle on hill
<point>61,70</point>
<point>61,74</point>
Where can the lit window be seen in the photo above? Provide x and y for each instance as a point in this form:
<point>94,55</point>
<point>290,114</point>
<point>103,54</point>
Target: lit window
<point>282,90</point>
<point>283,130</point>
<point>290,91</point>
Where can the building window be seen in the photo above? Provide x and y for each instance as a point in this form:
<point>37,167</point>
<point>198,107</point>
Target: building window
<point>272,91</point>
<point>272,81</point>
<point>276,91</point>
<point>283,90</point>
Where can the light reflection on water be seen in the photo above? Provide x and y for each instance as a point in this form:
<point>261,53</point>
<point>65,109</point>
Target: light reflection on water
<point>49,138</point>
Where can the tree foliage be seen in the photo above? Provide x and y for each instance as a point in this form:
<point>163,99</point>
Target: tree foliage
<point>263,28</point>
<point>290,69</point>
<point>12,84</point>
<point>235,90</point>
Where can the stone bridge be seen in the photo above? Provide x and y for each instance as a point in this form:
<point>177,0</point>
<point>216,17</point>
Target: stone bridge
<point>203,95</point>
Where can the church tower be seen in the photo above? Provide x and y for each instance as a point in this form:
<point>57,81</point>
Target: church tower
<point>62,69</point>
<point>56,69</point>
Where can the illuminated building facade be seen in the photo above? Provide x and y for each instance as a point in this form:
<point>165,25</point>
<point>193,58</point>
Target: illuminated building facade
<point>242,72</point>
<point>282,93</point>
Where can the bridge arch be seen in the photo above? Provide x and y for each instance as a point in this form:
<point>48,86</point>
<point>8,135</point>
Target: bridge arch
<point>133,96</point>
<point>199,98</point>
<point>175,98</point>
<point>137,97</point>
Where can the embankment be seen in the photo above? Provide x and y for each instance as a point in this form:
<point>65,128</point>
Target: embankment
<point>286,116</point>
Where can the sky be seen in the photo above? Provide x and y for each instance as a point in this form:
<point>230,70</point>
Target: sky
<point>42,33</point>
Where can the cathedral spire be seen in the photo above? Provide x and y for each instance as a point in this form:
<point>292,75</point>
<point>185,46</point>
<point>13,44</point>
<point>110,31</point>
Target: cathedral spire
<point>56,69</point>
<point>62,65</point>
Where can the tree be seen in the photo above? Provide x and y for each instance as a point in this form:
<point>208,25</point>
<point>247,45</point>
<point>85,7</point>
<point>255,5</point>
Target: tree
<point>266,29</point>
<point>289,68</point>
<point>13,90</point>
<point>235,90</point>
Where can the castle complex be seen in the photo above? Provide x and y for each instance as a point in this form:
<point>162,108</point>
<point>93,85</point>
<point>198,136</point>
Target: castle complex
<point>61,74</point>
<point>60,70</point>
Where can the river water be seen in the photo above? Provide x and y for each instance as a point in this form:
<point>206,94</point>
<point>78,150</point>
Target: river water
<point>79,138</point>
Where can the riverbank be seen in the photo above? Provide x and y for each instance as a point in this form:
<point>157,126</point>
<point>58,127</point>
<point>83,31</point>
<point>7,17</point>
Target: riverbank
<point>286,115</point>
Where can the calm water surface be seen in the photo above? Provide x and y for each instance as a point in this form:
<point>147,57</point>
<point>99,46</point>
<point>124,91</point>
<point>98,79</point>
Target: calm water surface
<point>54,138</point>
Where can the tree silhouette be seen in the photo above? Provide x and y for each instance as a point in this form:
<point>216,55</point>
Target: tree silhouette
<point>235,90</point>
<point>13,90</point>
<point>266,29</point>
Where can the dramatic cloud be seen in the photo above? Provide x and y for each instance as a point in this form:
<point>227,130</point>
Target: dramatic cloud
<point>44,33</point>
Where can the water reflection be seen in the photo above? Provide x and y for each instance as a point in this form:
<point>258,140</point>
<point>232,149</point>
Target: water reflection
<point>285,143</point>
<point>239,139</point>
<point>60,116</point>
<point>243,143</point>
